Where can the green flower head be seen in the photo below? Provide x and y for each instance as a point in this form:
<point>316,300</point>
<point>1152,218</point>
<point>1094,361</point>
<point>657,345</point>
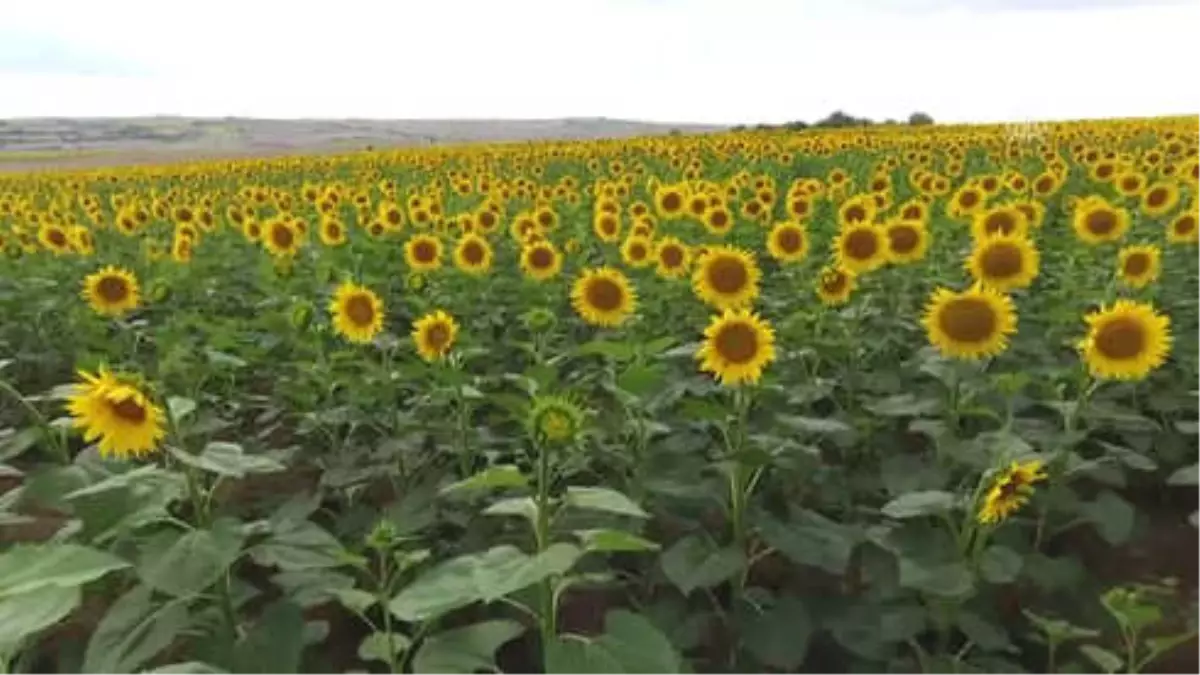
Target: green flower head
<point>555,420</point>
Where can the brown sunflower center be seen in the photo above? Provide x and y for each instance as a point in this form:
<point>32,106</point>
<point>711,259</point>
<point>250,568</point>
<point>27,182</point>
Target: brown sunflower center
<point>128,410</point>
<point>1185,225</point>
<point>968,199</point>
<point>718,219</point>
<point>393,216</point>
<point>999,222</point>
<point>1101,223</point>
<point>1121,338</point>
<point>57,237</point>
<point>737,343</point>
<point>789,240</point>
<point>1044,184</point>
<point>424,252</point>
<point>911,213</point>
<point>968,320</point>
<point>1137,264</point>
<point>861,244</point>
<point>671,202</point>
<point>112,288</point>
<point>1002,260</point>
<point>472,253</point>
<point>671,256</point>
<point>541,258</point>
<point>903,238</point>
<point>1156,198</point>
<point>544,218</point>
<point>605,295</point>
<point>727,274</point>
<point>282,236</point>
<point>833,283</point>
<point>637,251</point>
<point>360,310</point>
<point>856,214</point>
<point>437,336</point>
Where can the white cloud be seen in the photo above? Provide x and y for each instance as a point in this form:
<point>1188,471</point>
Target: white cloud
<point>699,60</point>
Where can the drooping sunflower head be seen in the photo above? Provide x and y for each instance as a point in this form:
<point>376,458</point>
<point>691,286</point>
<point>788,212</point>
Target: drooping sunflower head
<point>737,346</point>
<point>787,242</point>
<point>473,254</point>
<point>1004,262</point>
<point>541,261</point>
<point>636,252</point>
<point>726,277</point>
<point>907,240</point>
<point>1095,221</point>
<point>970,324</point>
<point>835,284</point>
<point>423,253</point>
<point>118,413</point>
<point>112,291</point>
<point>672,258</point>
<point>434,335</point>
<point>555,421</point>
<point>357,312</point>
<point>603,297</point>
<point>1126,341</point>
<point>861,248</point>
<point>1138,266</point>
<point>1010,490</point>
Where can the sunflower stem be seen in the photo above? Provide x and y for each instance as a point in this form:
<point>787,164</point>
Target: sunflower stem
<point>56,440</point>
<point>547,619</point>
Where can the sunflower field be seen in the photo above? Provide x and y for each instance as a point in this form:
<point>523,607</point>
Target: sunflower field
<point>891,399</point>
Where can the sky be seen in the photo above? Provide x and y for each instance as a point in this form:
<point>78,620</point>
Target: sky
<point>705,61</point>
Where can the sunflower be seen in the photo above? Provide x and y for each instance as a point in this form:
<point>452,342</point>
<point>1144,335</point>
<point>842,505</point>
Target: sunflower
<point>1160,198</point>
<point>54,238</point>
<point>1004,262</point>
<point>787,242</point>
<point>473,254</point>
<point>434,335</point>
<point>669,201</point>
<point>1126,341</point>
<point>281,237</point>
<point>181,250</point>
<point>1130,183</point>
<point>907,240</point>
<point>112,291</point>
<point>251,229</point>
<point>856,210</point>
<point>636,252</point>
<point>718,220</point>
<point>554,420</point>
<point>603,296</point>
<point>1005,219</point>
<point>967,201</point>
<point>1138,266</point>
<point>423,253</point>
<point>1010,491</point>
<point>861,248</point>
<point>726,277</point>
<point>672,258</point>
<point>738,344</point>
<point>1096,221</point>
<point>357,312</point>
<point>119,414</point>
<point>541,261</point>
<point>970,324</point>
<point>332,232</point>
<point>607,226</point>
<point>835,285</point>
<point>1183,229</point>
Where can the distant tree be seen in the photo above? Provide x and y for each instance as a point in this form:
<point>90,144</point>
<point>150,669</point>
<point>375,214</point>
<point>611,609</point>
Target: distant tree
<point>738,128</point>
<point>797,125</point>
<point>839,118</point>
<point>919,118</point>
<point>674,132</point>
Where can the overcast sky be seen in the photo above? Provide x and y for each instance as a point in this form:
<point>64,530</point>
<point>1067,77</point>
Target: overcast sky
<point>717,61</point>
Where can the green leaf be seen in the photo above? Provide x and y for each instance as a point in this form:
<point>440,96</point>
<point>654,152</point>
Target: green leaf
<point>640,380</point>
<point>29,612</point>
<point>1000,565</point>
<point>226,459</point>
<point>466,650</point>
<point>1106,660</point>
<point>697,562</point>
<point>275,642</point>
<point>376,646</point>
<point>183,565</point>
<point>1129,457</point>
<point>355,599</point>
<point>982,632</point>
<point>618,351</point>
<point>603,499</point>
<point>611,541</point>
<point>479,577</point>
<point>779,637</point>
<point>133,631</point>
<point>492,478</point>
<point>812,539</point>
<point>299,545</point>
<point>579,655</point>
<point>514,506</point>
<point>190,668</point>
<point>180,407</point>
<point>1059,630</point>
<point>630,644</point>
<point>904,405</point>
<point>815,425</point>
<point>944,579</point>
<point>915,504</point>
<point>1185,475</point>
<point>1112,516</point>
<point>29,568</point>
<point>187,668</point>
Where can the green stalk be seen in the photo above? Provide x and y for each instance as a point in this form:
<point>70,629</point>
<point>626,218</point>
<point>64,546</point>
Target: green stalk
<point>547,616</point>
<point>56,441</point>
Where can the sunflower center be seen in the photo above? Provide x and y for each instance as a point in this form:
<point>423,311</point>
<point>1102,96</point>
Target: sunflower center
<point>968,320</point>
<point>1044,184</point>
<point>1137,264</point>
<point>487,219</point>
<point>718,219</point>
<point>968,199</point>
<point>911,213</point>
<point>112,289</point>
<point>698,206</point>
<point>1185,225</point>
<point>1156,198</point>
<point>637,251</point>
<point>833,283</point>
<point>393,216</point>
<point>282,236</point>
<point>129,410</point>
<point>861,245</point>
<point>605,295</point>
<point>437,336</point>
<point>58,238</point>
<point>671,256</point>
<point>672,202</point>
<point>1101,222</point>
<point>472,253</point>
<point>727,275</point>
<point>545,218</point>
<point>789,240</point>
<point>737,343</point>
<point>1002,260</point>
<point>541,258</point>
<point>608,226</point>
<point>424,252</point>
<point>360,310</point>
<point>1000,222</point>
<point>1122,338</point>
<point>903,239</point>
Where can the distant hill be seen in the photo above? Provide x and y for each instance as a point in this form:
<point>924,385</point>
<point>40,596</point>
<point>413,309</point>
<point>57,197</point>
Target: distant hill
<point>38,140</point>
